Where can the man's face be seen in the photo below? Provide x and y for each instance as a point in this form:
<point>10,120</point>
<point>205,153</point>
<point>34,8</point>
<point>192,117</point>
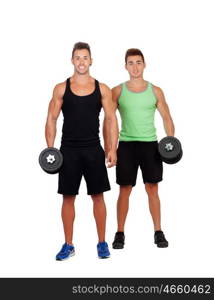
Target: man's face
<point>81,61</point>
<point>135,66</point>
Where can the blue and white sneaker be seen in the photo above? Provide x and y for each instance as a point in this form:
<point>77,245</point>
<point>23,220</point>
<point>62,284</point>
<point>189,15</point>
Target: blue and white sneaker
<point>102,250</point>
<point>66,252</point>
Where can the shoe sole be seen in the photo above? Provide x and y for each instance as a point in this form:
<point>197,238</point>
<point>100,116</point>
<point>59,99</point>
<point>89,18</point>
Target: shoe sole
<point>70,255</point>
<point>103,257</point>
<point>118,246</point>
<point>162,245</point>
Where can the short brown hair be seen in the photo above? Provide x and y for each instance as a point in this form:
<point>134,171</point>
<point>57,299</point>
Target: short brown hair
<point>133,51</point>
<point>80,46</point>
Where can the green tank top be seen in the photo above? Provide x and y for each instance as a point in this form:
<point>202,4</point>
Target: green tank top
<point>137,111</point>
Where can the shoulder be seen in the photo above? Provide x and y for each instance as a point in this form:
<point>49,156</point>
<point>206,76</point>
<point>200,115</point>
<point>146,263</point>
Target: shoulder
<point>104,89</point>
<point>157,90</point>
<point>161,102</point>
<point>116,91</point>
<point>59,89</point>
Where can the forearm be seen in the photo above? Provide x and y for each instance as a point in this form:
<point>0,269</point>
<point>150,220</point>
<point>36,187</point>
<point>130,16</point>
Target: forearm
<point>169,126</point>
<point>106,134</point>
<point>114,132</point>
<point>50,133</point>
<point>110,133</point>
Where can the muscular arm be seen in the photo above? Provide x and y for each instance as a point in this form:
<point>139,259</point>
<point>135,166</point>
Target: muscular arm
<point>54,109</point>
<point>106,125</point>
<point>164,112</point>
<point>110,128</point>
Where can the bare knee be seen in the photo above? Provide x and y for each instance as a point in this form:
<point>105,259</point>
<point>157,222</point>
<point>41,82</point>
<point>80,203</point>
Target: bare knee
<point>125,190</point>
<point>151,188</point>
<point>97,198</point>
<point>68,199</point>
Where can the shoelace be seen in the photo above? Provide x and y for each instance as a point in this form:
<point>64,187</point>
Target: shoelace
<point>161,237</point>
<point>64,248</point>
<point>119,238</point>
<point>103,248</point>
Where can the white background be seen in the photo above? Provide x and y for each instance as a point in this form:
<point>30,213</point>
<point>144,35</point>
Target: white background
<point>36,44</point>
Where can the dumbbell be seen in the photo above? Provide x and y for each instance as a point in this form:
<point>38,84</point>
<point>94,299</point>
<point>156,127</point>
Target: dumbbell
<point>170,150</point>
<point>50,160</point>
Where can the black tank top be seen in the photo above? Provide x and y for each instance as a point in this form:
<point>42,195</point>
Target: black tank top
<point>81,117</point>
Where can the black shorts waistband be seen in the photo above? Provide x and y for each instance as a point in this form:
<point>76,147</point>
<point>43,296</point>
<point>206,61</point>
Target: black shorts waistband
<point>80,144</point>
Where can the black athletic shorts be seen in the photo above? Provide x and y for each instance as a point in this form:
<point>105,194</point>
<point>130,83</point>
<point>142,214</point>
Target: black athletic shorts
<point>131,155</point>
<point>88,162</point>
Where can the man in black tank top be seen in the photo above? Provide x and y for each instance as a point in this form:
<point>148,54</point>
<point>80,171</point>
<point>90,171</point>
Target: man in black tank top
<point>81,98</point>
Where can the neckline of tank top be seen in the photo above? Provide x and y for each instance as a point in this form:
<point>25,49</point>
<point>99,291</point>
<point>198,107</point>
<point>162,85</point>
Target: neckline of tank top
<point>69,87</point>
<point>137,92</point>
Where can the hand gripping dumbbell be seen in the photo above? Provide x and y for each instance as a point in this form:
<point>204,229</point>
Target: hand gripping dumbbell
<point>50,160</point>
<point>170,150</point>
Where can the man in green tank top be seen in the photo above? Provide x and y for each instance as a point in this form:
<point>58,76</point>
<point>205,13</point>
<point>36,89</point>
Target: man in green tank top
<point>137,100</point>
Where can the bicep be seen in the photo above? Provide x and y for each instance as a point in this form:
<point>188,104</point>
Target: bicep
<point>163,108</point>
<point>55,105</point>
<point>115,96</point>
<point>162,105</point>
<point>107,102</point>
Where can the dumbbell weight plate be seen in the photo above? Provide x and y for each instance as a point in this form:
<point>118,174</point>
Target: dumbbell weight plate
<point>170,150</point>
<point>50,160</point>
<point>175,160</point>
